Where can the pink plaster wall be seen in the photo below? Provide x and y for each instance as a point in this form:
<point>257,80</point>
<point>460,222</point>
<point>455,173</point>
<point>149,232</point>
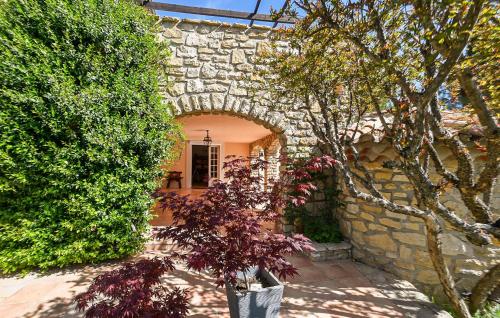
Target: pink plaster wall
<point>236,149</point>
<point>180,165</point>
<point>234,133</point>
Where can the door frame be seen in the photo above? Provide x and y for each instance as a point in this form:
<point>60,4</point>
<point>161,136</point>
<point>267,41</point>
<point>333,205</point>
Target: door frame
<point>189,159</point>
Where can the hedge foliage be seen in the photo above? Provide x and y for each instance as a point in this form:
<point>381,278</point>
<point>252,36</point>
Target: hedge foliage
<point>83,131</point>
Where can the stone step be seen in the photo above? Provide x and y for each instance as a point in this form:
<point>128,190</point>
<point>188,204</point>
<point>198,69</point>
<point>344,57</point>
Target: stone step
<point>330,251</point>
<point>157,245</point>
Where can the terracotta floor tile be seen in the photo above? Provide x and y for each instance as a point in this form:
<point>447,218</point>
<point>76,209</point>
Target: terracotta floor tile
<point>308,274</point>
<point>358,281</point>
<point>326,289</point>
<point>300,261</point>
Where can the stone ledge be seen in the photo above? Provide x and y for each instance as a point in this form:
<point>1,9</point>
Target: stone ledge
<point>330,251</point>
<point>236,25</point>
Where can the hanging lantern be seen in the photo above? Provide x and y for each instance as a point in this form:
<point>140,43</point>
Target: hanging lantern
<point>207,140</point>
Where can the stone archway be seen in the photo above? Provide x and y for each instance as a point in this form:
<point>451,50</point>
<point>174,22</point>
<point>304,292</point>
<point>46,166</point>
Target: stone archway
<point>273,156</point>
<point>212,69</point>
<point>269,148</point>
<point>279,137</point>
<point>257,152</point>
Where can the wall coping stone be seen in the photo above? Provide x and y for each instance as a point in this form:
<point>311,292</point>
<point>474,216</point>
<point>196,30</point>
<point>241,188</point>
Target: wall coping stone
<point>235,25</point>
<point>331,246</point>
<point>329,251</point>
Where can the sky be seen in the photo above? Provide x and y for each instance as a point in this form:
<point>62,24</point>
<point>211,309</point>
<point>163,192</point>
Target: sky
<point>236,5</point>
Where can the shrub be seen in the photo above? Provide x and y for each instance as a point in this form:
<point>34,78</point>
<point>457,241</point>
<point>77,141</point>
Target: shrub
<point>82,130</point>
<point>322,230</point>
<point>320,226</point>
<point>221,231</point>
<point>491,310</point>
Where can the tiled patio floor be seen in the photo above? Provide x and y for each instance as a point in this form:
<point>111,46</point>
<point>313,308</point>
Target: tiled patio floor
<point>324,289</point>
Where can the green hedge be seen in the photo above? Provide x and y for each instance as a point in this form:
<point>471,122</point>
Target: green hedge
<point>82,130</point>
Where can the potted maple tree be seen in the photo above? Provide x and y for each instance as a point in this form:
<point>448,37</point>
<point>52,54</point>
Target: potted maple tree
<point>222,231</point>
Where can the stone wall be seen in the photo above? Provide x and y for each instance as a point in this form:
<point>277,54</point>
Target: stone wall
<point>396,243</point>
<point>212,71</point>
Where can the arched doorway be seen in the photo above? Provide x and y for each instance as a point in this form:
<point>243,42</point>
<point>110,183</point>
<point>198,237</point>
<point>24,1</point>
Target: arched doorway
<point>199,164</point>
<point>230,135</point>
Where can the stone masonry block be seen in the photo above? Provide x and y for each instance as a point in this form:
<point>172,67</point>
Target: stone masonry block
<point>238,56</point>
<point>410,238</point>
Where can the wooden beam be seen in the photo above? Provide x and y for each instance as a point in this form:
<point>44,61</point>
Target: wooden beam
<point>285,4</point>
<point>255,11</point>
<point>216,12</point>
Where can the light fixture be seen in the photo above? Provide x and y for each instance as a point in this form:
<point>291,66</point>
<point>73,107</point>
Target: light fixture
<point>207,140</point>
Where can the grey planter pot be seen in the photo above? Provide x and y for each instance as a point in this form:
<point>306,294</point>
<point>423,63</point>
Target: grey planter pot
<point>264,303</point>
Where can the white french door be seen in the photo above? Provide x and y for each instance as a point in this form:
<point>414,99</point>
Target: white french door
<point>214,164</point>
<point>210,166</point>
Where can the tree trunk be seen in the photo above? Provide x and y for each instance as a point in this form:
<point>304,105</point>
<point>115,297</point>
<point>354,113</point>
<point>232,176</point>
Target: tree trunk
<point>436,254</point>
<point>484,288</point>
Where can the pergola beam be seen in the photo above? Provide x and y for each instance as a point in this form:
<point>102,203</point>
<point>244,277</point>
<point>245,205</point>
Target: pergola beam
<point>255,11</point>
<point>216,12</point>
<point>285,4</point>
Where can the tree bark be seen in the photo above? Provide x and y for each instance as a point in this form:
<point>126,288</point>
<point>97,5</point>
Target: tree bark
<point>487,177</point>
<point>434,231</point>
<point>484,288</point>
<point>416,126</point>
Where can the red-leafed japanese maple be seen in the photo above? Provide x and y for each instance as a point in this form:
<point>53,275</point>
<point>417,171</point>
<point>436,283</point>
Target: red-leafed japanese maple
<point>222,231</point>
<point>134,290</point>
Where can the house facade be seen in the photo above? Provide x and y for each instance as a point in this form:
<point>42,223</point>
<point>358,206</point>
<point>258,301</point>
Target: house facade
<point>212,70</point>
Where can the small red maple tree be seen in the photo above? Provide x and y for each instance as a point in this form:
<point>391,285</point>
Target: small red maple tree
<point>223,231</point>
<point>134,290</point>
